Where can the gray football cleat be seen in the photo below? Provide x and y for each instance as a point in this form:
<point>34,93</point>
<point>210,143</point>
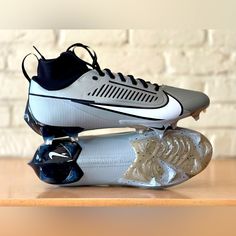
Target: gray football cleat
<point>143,160</point>
<point>69,95</point>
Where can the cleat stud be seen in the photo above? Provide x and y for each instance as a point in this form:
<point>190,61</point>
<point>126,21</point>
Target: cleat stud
<point>141,130</point>
<point>196,117</point>
<point>48,140</point>
<point>174,125</point>
<point>74,138</point>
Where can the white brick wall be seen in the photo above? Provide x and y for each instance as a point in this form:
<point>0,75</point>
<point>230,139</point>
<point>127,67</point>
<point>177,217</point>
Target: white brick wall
<point>26,36</point>
<point>194,59</point>
<point>95,37</point>
<point>222,38</point>
<point>5,115</point>
<point>200,61</point>
<point>175,38</point>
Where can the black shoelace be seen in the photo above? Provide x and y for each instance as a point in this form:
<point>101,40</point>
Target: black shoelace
<point>96,66</point>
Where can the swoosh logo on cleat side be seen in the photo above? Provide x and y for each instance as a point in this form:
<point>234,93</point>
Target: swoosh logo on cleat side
<point>51,154</point>
<point>171,110</point>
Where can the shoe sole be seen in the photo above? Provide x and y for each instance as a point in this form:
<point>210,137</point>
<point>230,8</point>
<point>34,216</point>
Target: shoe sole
<point>149,159</point>
<point>162,162</point>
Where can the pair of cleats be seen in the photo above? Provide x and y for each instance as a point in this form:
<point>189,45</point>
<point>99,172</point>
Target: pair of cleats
<point>69,95</point>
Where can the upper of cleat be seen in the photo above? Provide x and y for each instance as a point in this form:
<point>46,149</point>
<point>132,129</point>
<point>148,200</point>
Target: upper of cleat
<point>70,77</point>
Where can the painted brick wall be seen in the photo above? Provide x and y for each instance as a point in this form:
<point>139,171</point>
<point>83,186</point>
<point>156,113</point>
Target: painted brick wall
<point>194,59</point>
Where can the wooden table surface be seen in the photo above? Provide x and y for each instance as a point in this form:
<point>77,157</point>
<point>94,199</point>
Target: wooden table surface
<point>215,186</point>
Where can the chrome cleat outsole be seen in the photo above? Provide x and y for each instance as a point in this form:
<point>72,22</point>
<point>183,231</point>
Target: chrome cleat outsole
<point>161,162</point>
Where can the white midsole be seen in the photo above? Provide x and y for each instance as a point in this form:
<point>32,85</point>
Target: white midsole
<point>65,113</point>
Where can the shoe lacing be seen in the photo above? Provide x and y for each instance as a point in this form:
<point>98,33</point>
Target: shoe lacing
<point>97,67</point>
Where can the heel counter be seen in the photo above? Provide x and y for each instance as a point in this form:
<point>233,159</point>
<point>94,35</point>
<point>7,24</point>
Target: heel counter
<point>48,131</point>
<point>31,121</point>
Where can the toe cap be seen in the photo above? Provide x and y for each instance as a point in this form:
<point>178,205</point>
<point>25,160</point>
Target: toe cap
<point>191,101</point>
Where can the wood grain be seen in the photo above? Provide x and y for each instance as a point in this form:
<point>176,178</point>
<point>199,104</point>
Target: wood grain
<point>215,186</point>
